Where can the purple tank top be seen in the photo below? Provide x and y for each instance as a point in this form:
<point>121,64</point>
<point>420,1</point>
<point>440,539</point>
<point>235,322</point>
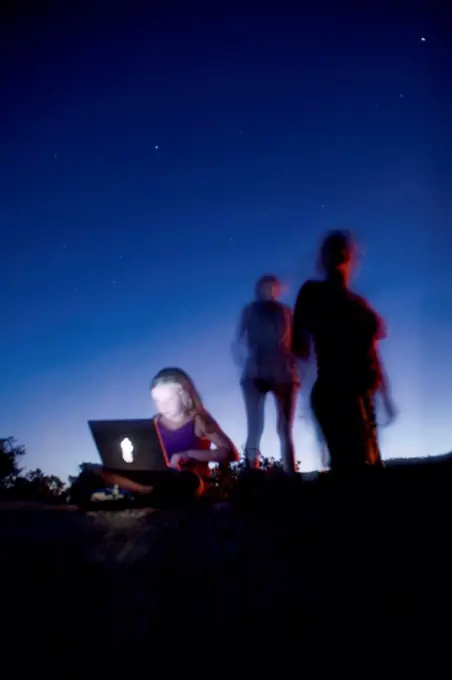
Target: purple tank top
<point>185,439</point>
<point>182,439</point>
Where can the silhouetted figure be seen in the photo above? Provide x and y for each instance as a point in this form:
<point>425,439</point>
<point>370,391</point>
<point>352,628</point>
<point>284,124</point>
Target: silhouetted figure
<point>187,431</point>
<point>345,331</point>
<point>265,333</point>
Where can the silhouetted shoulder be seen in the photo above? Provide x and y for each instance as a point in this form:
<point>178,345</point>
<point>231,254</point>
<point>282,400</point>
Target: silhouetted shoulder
<point>307,299</point>
<point>310,290</point>
<point>246,310</point>
<point>360,300</point>
<point>310,286</point>
<point>265,309</point>
<point>370,318</point>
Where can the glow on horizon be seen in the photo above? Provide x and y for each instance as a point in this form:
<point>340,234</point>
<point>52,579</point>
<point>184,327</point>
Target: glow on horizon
<point>116,385</point>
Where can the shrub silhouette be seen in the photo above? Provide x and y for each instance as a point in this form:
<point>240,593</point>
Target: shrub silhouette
<point>32,485</point>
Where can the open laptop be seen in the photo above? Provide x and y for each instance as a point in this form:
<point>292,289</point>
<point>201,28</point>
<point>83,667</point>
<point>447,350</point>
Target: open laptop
<point>129,445</point>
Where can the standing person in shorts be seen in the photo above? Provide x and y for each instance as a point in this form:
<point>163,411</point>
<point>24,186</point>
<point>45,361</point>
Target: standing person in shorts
<point>263,349</point>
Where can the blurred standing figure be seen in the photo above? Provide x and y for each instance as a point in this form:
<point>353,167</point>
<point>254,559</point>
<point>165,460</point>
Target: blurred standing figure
<point>265,333</point>
<point>345,331</point>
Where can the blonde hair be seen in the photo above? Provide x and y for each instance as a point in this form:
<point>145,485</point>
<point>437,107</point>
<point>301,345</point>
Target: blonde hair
<point>190,396</point>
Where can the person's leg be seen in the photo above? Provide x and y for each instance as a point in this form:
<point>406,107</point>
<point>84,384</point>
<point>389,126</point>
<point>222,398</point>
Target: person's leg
<point>368,426</point>
<point>328,417</point>
<point>113,478</point>
<point>348,427</point>
<point>178,488</point>
<point>95,476</point>
<point>285,399</point>
<point>255,410</point>
<point>324,453</point>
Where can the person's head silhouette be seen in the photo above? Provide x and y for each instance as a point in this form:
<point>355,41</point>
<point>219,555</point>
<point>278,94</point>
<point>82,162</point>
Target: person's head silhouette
<point>268,287</point>
<point>338,254</point>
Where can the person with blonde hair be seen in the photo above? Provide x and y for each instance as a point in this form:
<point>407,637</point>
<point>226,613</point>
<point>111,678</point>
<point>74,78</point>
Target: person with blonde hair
<point>187,429</point>
<point>265,333</point>
<point>188,432</point>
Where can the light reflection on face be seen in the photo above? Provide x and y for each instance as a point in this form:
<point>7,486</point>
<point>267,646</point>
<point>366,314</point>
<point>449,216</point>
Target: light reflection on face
<point>271,290</point>
<point>168,399</point>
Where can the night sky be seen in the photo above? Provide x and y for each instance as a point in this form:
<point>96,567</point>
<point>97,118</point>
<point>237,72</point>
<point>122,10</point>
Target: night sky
<point>153,166</point>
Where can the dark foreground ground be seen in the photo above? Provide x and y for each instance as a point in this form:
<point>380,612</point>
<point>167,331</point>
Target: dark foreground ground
<point>367,561</point>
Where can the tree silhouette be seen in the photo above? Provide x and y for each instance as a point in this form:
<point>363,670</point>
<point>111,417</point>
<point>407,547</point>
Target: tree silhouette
<point>33,485</point>
<point>10,453</point>
<point>36,486</point>
<point>44,486</point>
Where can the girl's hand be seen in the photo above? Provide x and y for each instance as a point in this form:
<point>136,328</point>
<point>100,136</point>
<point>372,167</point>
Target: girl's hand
<point>179,461</point>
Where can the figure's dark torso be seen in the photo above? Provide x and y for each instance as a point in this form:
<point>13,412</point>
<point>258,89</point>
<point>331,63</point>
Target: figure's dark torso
<point>269,343</point>
<point>345,330</point>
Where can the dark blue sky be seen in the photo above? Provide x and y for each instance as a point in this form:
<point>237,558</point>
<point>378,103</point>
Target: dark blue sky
<point>153,166</point>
